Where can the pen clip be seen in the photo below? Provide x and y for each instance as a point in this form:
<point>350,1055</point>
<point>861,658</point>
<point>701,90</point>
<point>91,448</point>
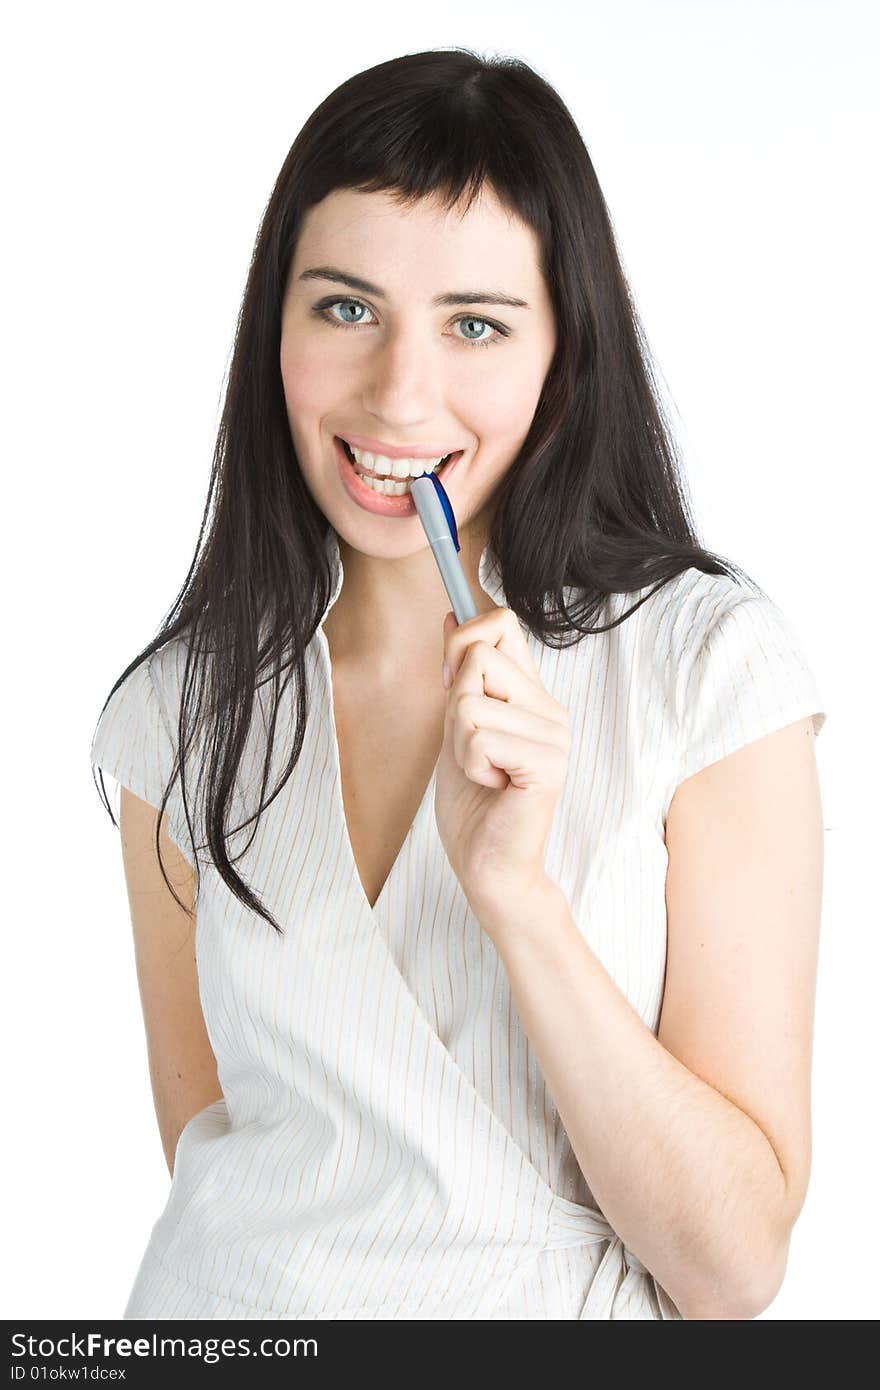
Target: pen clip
<point>447,508</point>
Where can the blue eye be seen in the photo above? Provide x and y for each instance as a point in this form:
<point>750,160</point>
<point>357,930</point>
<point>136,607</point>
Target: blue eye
<point>326,305</point>
<point>480,342</point>
<point>340,323</point>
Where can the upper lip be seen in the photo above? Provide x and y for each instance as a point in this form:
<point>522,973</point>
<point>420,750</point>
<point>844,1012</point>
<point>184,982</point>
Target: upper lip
<point>397,451</point>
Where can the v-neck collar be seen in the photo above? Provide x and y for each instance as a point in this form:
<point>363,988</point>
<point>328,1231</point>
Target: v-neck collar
<point>490,583</point>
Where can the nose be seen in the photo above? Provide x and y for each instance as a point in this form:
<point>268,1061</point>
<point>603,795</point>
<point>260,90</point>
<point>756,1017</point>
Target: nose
<point>403,387</point>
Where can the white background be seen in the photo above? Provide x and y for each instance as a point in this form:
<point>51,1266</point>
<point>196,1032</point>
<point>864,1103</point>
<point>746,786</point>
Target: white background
<point>736,147</point>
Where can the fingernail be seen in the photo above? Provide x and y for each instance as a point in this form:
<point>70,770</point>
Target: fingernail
<point>447,676</point>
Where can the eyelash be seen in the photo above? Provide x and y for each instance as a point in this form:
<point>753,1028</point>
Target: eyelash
<point>323,312</point>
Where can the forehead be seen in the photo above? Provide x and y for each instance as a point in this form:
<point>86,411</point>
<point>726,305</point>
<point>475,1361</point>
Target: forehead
<point>421,242</point>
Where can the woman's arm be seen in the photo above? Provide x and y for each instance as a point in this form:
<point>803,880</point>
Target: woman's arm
<point>696,1143</point>
<point>183,1069</point>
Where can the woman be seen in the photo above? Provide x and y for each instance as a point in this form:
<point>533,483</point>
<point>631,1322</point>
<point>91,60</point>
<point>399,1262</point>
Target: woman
<point>500,1003</point>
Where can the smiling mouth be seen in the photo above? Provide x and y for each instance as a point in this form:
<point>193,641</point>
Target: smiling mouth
<point>391,477</point>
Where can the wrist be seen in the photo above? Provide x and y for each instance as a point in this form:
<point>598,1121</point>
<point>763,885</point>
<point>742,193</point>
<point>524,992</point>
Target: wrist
<point>525,908</point>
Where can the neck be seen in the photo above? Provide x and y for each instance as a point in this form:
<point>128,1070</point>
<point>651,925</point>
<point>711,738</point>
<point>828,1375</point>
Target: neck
<point>388,619</point>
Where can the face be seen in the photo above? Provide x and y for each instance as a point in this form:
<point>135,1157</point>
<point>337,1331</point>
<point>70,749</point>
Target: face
<point>391,366</point>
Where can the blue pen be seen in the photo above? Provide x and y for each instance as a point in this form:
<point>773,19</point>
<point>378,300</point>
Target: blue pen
<point>438,519</point>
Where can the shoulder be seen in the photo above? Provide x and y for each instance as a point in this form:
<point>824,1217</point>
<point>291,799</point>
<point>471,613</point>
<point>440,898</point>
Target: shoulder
<point>738,670</point>
<point>698,618</point>
<point>167,668</point>
<point>651,637</point>
<point>681,612</point>
<point>705,650</point>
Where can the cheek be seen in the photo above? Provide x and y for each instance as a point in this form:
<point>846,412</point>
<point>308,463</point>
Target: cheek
<point>309,383</point>
<point>503,409</point>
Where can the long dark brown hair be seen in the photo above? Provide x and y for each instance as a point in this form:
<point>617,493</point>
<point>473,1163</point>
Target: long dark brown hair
<point>595,499</point>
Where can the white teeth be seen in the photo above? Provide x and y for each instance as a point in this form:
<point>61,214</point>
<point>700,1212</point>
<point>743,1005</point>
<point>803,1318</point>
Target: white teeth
<point>398,468</point>
<point>387,486</point>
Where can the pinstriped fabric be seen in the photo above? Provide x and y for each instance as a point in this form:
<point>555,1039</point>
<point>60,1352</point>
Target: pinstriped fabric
<point>386,1146</point>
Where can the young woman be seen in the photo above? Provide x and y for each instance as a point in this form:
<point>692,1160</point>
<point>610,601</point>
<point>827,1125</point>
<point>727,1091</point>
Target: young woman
<point>488,997</point>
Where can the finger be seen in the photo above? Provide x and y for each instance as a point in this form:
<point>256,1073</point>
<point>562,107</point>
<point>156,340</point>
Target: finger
<point>473,714</point>
<point>530,764</point>
<point>500,628</point>
<point>487,671</point>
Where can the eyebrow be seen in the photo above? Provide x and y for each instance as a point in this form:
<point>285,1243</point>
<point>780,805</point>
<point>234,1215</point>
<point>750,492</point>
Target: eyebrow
<point>345,277</point>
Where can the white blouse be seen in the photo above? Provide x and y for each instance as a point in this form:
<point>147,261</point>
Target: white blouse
<point>386,1145</point>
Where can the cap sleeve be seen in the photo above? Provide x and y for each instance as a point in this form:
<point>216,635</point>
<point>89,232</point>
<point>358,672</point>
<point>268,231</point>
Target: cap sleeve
<point>750,677</point>
<point>133,743</point>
